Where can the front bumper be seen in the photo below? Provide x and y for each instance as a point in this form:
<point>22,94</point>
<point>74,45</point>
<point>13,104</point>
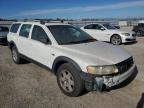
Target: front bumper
<point>96,83</point>
<point>131,38</point>
<point>115,80</point>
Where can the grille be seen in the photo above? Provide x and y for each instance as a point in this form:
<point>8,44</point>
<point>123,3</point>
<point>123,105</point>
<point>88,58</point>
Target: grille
<point>125,65</point>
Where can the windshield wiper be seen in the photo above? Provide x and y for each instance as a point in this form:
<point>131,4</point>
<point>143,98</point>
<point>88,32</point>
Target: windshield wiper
<point>88,40</point>
<point>81,41</point>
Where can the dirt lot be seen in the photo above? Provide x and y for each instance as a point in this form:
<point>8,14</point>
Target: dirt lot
<point>30,86</point>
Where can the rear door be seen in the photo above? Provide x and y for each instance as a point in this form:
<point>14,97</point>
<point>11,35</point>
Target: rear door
<point>97,31</point>
<point>90,29</point>
<point>102,33</point>
<point>24,40</point>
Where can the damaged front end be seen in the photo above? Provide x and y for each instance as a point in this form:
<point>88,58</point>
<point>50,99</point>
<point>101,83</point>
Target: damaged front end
<point>98,83</point>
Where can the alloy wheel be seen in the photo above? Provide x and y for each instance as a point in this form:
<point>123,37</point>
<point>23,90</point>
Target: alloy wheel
<point>66,81</point>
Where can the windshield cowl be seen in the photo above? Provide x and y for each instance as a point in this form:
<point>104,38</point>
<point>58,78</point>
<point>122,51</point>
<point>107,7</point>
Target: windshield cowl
<point>79,42</point>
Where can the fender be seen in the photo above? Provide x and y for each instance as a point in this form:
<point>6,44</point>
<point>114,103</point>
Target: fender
<point>11,42</point>
<point>113,35</point>
<point>62,59</point>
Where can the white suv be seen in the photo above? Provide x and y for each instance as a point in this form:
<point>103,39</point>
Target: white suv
<point>107,32</point>
<point>78,60</point>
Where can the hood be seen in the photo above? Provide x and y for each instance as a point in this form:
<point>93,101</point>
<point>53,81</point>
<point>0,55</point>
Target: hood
<point>121,31</point>
<point>97,52</point>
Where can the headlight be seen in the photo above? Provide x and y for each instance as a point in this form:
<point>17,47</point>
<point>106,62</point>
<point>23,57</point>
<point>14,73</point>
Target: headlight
<point>126,34</point>
<point>102,70</point>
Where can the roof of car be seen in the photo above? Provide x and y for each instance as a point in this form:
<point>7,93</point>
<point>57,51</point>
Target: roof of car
<point>38,22</point>
<point>47,24</point>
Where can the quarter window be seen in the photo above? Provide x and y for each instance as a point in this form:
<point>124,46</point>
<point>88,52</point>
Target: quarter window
<point>97,26</point>
<point>14,28</point>
<point>25,29</point>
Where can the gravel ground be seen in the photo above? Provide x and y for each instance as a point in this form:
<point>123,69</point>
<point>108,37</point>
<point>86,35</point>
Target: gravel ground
<point>30,86</point>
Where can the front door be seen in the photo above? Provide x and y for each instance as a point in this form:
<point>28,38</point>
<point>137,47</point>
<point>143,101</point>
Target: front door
<point>40,48</point>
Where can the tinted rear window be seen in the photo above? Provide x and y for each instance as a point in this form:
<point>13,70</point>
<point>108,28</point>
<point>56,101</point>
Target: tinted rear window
<point>14,28</point>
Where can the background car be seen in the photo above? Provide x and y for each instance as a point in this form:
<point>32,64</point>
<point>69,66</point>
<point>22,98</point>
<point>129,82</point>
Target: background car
<point>3,34</point>
<point>116,26</point>
<point>139,29</point>
<point>107,32</point>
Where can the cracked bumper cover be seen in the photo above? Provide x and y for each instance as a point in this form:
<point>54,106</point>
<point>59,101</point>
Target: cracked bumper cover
<point>93,82</point>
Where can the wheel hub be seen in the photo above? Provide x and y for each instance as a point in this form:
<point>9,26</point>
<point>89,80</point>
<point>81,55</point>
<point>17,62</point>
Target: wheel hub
<point>14,54</point>
<point>66,81</point>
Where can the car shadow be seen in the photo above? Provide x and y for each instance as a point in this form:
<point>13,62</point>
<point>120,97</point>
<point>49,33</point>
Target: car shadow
<point>141,102</point>
<point>23,61</point>
<point>130,43</point>
<point>125,83</point>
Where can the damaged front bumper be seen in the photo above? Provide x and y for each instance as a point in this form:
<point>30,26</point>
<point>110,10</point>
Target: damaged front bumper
<point>96,83</point>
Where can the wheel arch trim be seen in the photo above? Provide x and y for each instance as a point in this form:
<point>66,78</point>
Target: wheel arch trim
<point>11,42</point>
<point>63,59</point>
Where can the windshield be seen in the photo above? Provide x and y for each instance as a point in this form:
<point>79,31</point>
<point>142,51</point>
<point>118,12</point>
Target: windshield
<point>66,34</point>
<point>109,26</point>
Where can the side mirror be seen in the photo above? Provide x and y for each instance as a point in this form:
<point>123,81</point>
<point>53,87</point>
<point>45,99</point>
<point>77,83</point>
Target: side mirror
<point>102,29</point>
<point>117,27</point>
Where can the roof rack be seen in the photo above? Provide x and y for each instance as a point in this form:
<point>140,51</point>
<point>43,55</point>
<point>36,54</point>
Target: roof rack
<point>42,21</point>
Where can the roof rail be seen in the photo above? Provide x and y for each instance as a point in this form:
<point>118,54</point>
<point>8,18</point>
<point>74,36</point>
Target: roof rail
<point>41,21</point>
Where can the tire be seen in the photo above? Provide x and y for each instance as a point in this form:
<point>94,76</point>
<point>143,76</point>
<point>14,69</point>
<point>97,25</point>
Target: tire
<point>69,80</point>
<point>15,55</point>
<point>116,40</point>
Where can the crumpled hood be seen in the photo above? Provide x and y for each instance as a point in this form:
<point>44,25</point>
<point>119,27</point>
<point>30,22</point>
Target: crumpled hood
<point>101,52</point>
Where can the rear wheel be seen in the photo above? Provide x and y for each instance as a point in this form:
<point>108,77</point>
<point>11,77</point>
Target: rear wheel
<point>15,55</point>
<point>69,80</point>
<point>116,40</point>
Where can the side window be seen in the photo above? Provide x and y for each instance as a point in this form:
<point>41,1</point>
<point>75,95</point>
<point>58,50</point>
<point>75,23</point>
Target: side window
<point>25,29</point>
<point>39,34</point>
<point>14,28</point>
<point>0,29</point>
<point>89,26</point>
<point>97,26</point>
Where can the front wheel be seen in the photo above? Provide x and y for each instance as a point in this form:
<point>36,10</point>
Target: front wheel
<point>116,40</point>
<point>69,80</point>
